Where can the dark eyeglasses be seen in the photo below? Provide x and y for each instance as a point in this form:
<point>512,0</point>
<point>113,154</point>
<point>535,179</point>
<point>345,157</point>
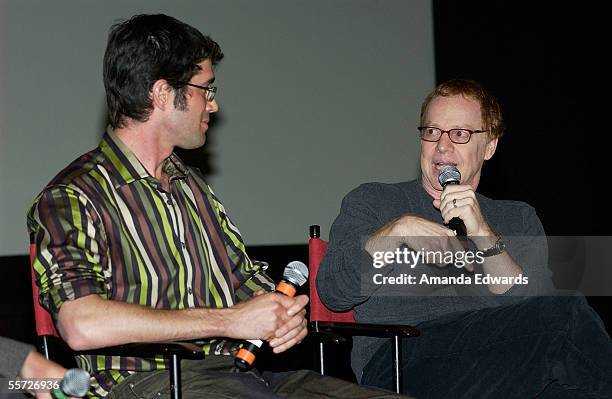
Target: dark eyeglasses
<point>457,136</point>
<point>211,91</point>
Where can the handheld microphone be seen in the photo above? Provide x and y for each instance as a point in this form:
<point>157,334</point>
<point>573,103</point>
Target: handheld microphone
<point>75,383</point>
<point>294,276</point>
<point>450,175</point>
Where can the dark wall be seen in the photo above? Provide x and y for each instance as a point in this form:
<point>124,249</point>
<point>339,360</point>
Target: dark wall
<point>547,63</point>
<point>16,314</point>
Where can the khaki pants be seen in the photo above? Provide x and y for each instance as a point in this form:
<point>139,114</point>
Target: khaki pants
<point>215,377</point>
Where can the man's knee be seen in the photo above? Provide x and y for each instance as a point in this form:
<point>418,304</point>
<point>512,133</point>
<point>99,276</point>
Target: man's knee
<point>558,312</point>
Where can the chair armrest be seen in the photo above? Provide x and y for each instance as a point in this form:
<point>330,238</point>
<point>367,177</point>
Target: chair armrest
<point>362,329</point>
<point>185,350</point>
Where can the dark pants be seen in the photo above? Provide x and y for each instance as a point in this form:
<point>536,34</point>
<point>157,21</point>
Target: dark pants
<point>546,347</point>
<point>215,377</point>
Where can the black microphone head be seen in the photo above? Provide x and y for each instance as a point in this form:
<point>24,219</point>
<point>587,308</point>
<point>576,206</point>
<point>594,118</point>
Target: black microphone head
<point>75,382</point>
<point>296,273</point>
<point>449,175</point>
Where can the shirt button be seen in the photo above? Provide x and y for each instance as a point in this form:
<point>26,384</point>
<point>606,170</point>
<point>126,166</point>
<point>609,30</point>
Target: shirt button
<point>183,245</point>
<point>189,291</point>
<point>169,202</point>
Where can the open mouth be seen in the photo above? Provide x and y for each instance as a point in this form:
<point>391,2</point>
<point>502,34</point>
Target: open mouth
<point>440,165</point>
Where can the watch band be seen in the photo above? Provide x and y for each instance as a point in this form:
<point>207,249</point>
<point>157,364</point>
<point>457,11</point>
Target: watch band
<point>496,249</point>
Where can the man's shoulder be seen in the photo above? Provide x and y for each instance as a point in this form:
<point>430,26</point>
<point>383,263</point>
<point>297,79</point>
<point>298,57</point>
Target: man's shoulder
<point>509,215</point>
<point>79,176</point>
<point>503,205</point>
<point>76,177</point>
<point>78,170</point>
<point>378,190</point>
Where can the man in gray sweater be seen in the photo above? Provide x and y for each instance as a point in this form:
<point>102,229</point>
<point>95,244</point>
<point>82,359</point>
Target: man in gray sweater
<point>494,336</point>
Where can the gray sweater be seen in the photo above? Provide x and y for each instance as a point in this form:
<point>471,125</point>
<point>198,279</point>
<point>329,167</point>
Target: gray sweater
<point>13,354</point>
<point>373,205</point>
<point>12,357</point>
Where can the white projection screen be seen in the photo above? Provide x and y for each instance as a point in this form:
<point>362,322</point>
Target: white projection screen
<point>316,97</point>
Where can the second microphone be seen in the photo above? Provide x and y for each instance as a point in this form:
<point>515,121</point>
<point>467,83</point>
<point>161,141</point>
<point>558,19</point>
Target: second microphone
<point>294,276</point>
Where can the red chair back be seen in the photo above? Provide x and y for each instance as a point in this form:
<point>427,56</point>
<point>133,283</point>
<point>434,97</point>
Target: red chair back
<point>319,312</point>
<point>42,318</point>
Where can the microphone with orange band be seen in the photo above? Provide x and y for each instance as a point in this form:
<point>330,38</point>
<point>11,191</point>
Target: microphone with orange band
<point>294,276</point>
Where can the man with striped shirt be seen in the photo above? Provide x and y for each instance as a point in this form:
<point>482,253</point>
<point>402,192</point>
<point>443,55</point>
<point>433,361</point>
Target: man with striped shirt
<point>133,246</point>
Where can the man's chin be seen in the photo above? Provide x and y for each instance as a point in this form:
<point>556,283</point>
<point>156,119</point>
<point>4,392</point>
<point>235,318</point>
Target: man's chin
<point>194,145</point>
<point>432,187</point>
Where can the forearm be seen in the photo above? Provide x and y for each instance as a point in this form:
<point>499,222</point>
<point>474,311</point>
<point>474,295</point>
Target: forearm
<point>92,322</point>
<point>36,366</point>
<point>528,254</point>
<point>501,265</point>
<point>385,239</point>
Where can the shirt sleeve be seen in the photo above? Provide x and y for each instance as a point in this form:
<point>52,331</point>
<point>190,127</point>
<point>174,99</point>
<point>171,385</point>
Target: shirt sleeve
<point>527,244</point>
<point>346,263</point>
<point>530,251</point>
<point>250,274</point>
<point>70,260</point>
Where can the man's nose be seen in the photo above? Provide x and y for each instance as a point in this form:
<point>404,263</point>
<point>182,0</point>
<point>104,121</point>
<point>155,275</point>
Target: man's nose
<point>445,143</point>
<point>212,106</point>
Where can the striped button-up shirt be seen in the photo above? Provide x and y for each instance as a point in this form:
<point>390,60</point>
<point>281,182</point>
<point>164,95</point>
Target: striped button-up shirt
<point>104,226</point>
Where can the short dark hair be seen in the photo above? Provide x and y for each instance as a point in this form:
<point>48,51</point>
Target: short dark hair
<point>489,106</point>
<point>147,48</point>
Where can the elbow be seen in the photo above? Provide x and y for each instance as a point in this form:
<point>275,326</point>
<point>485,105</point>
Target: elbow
<point>76,329</point>
<point>340,307</point>
<point>330,298</point>
<point>74,335</point>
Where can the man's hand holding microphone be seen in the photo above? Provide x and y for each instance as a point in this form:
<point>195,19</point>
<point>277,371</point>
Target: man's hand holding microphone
<point>459,206</point>
<point>276,317</point>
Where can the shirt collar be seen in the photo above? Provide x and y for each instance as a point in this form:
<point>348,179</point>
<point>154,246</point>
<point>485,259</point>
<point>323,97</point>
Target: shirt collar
<point>175,168</point>
<point>127,168</point>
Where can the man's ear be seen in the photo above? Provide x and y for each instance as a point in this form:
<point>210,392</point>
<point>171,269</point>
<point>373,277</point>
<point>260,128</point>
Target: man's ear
<point>161,94</point>
<point>490,150</point>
